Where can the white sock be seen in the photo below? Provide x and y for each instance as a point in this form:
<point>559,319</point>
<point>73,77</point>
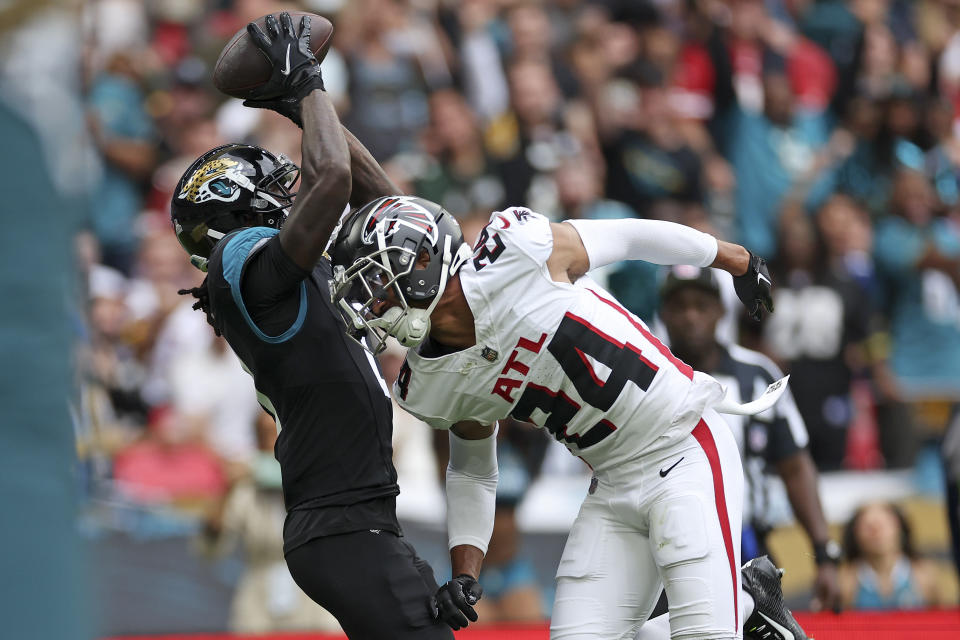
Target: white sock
<point>659,628</point>
<point>747,605</point>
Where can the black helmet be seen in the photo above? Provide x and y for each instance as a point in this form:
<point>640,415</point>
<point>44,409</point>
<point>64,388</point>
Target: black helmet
<point>402,245</point>
<point>227,188</point>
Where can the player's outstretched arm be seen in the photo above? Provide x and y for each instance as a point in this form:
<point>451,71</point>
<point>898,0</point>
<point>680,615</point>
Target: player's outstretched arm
<point>471,503</point>
<point>370,181</point>
<point>324,183</point>
<point>295,89</point>
<point>581,245</point>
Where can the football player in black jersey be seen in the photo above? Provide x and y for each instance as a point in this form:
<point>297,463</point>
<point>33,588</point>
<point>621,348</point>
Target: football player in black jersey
<point>266,292</point>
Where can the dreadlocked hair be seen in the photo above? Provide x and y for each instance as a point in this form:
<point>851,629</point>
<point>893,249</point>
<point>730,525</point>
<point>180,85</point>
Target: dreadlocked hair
<point>203,302</point>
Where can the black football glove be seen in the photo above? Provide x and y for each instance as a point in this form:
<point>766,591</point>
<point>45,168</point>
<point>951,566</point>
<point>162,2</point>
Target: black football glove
<point>455,601</point>
<point>753,288</point>
<point>295,70</point>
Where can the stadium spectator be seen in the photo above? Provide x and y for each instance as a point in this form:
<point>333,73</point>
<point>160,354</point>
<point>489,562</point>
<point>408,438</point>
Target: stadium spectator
<point>847,235</point>
<point>918,255</point>
<point>778,154</point>
<point>110,409</point>
<point>158,268</point>
<point>393,57</point>
<point>649,159</point>
<point>943,158</point>
<point>212,392</point>
<point>170,464</point>
<point>531,38</point>
<point>123,134</point>
<point>883,570</point>
<point>484,80</point>
<point>530,139</point>
<point>822,319</point>
<point>456,170</point>
<point>158,324</point>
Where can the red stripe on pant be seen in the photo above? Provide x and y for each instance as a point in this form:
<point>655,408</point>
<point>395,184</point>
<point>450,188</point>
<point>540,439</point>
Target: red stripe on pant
<point>702,433</point>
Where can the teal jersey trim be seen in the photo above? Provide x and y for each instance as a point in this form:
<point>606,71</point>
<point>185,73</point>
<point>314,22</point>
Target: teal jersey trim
<point>235,254</point>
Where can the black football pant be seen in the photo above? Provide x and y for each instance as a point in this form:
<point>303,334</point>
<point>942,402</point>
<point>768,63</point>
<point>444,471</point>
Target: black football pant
<point>373,583</point>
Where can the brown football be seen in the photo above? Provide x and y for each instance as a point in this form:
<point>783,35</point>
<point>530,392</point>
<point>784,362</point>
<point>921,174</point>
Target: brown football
<point>242,67</point>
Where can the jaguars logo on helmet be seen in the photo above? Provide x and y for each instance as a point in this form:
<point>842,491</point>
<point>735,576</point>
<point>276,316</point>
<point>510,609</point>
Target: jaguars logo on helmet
<point>219,179</point>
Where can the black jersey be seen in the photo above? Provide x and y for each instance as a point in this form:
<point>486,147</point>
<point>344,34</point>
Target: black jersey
<point>325,391</point>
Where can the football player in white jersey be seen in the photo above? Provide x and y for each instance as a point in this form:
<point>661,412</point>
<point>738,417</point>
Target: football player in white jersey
<point>515,326</point>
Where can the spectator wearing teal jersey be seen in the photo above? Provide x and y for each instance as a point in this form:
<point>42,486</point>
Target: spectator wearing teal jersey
<point>918,254</point>
<point>777,155</point>
<point>123,133</point>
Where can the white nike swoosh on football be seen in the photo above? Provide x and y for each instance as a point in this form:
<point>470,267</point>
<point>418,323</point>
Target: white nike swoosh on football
<point>785,632</point>
<point>286,71</point>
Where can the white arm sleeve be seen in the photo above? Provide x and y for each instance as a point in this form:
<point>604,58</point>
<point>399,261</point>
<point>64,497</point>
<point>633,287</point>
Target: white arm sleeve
<point>609,241</point>
<point>471,491</point>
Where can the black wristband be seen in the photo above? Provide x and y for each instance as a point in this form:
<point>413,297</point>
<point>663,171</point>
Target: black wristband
<point>827,552</point>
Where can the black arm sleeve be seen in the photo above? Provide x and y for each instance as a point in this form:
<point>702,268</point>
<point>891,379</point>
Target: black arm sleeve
<point>270,286</point>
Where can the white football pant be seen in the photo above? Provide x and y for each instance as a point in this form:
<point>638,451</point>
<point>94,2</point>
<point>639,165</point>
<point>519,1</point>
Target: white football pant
<point>669,519</point>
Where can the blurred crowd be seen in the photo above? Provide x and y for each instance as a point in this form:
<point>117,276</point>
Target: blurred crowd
<point>824,135</point>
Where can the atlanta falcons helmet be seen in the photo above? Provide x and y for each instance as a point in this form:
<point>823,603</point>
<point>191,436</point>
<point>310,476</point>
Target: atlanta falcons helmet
<point>227,188</point>
<point>398,248</point>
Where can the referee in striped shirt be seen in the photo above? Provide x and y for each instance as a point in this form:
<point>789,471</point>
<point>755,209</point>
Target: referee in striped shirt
<point>772,441</point>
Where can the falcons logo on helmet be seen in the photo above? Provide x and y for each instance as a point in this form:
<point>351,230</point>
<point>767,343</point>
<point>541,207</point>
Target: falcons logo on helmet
<point>397,212</point>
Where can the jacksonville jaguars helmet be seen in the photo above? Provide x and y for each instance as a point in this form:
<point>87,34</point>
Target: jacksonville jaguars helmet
<point>227,188</point>
<point>398,248</point>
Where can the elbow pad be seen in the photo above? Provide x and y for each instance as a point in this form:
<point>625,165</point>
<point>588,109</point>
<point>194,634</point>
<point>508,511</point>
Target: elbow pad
<point>656,241</point>
<point>471,491</point>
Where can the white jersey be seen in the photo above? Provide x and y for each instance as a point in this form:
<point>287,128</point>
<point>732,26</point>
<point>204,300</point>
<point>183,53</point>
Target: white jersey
<point>567,357</point>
